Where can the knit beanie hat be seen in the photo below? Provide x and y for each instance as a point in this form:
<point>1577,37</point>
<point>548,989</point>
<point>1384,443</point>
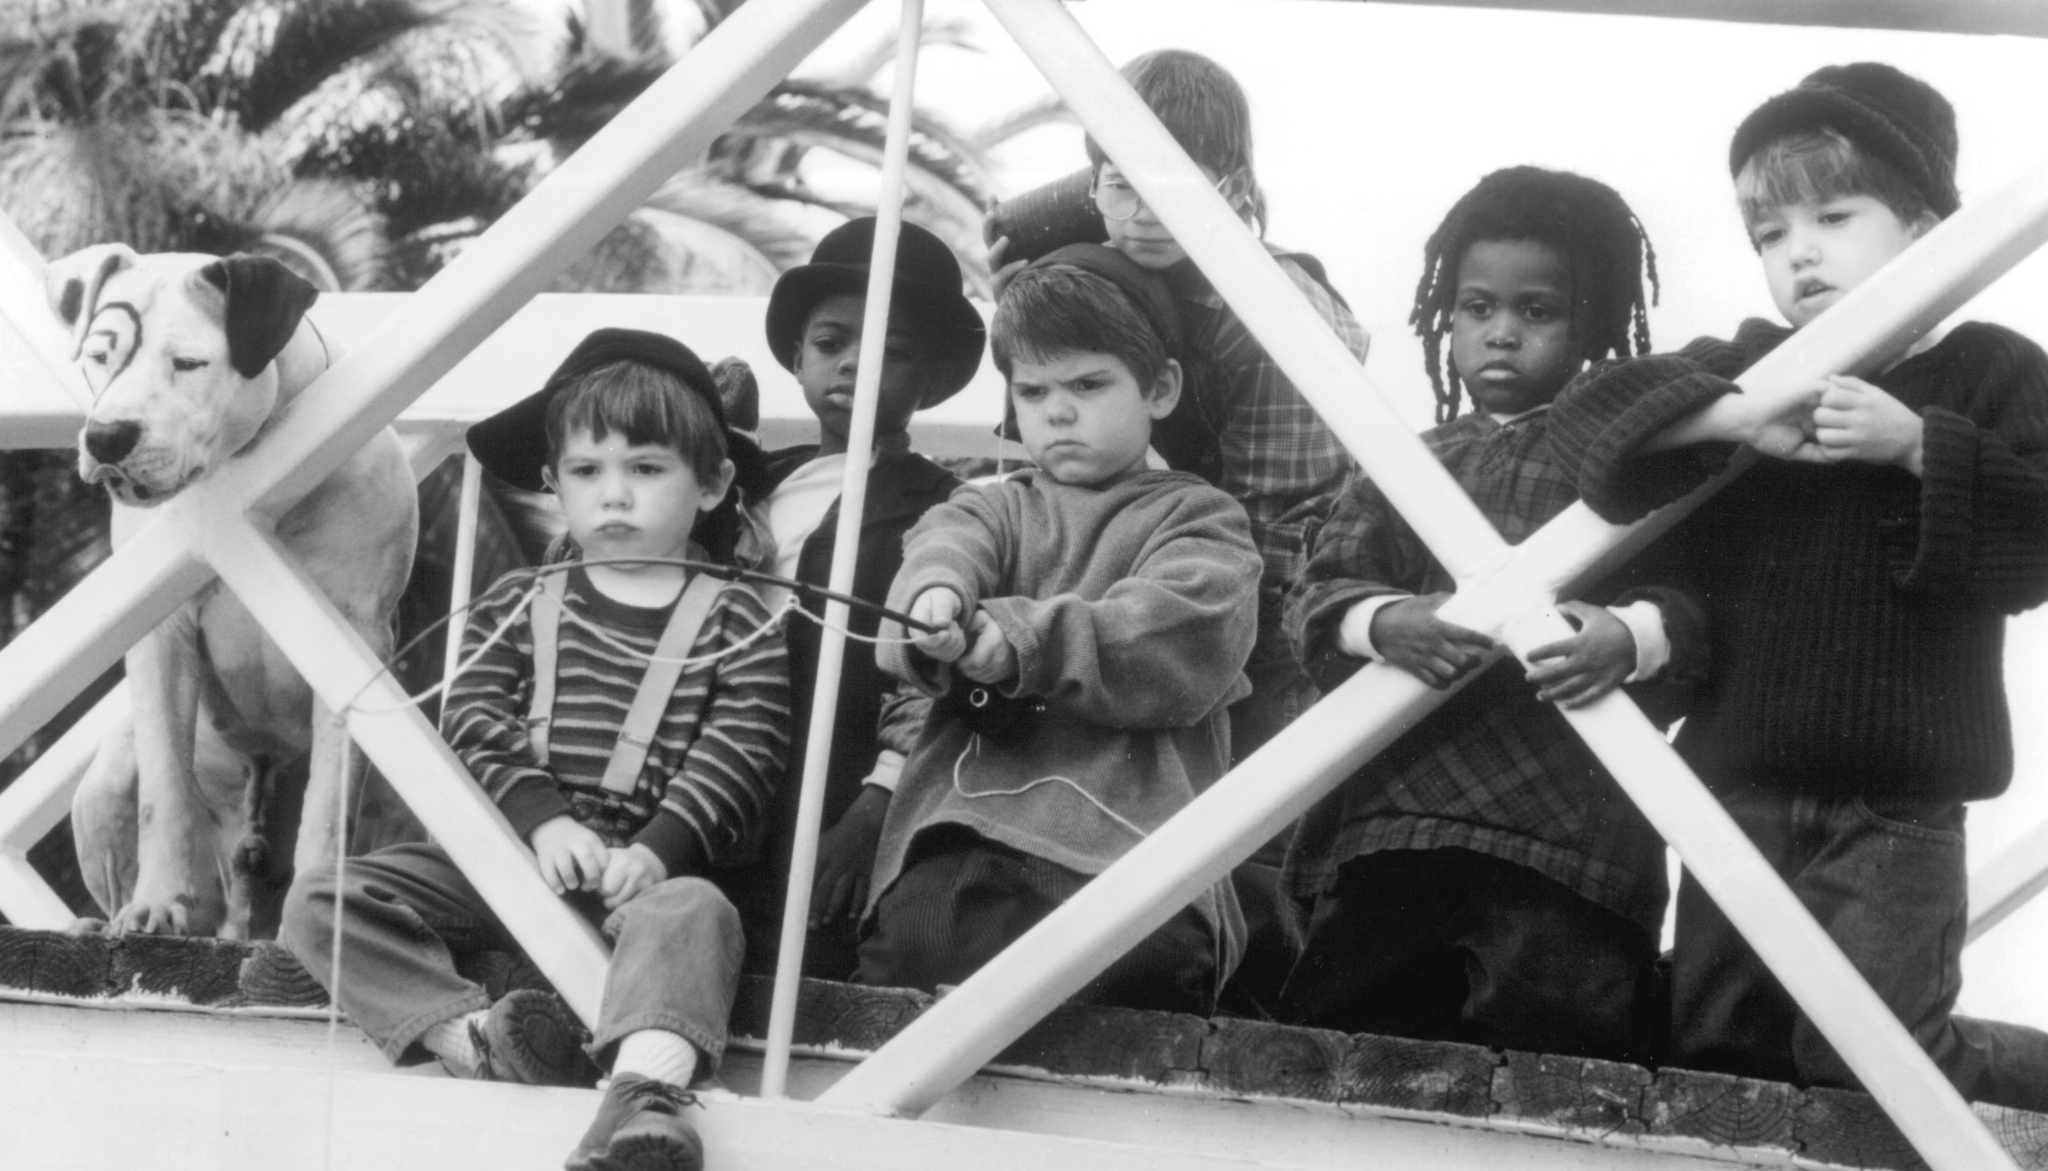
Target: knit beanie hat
<point>1892,115</point>
<point>926,290</point>
<point>1146,290</point>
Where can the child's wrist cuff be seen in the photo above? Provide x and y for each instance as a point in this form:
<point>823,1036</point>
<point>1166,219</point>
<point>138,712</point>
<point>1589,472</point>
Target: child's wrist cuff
<point>1653,648</point>
<point>1354,633</point>
<point>888,770</point>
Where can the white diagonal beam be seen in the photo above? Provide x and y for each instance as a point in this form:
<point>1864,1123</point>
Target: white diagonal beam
<point>24,306</point>
<point>558,221</point>
<point>975,1022</point>
<point>663,130</point>
<point>343,671</point>
<point>853,496</point>
<point>2004,884</point>
<point>92,626</point>
<point>1828,988</point>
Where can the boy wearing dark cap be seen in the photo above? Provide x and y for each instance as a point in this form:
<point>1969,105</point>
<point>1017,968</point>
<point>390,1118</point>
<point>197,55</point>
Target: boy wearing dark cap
<point>1096,619</point>
<point>1857,586</point>
<point>932,350</point>
<point>630,725</point>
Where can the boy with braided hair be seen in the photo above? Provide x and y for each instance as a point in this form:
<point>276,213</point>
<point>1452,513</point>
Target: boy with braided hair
<point>1857,586</point>
<point>1483,879</point>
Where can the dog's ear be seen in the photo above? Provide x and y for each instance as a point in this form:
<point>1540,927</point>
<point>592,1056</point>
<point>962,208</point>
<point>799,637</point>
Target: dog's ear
<point>73,284</point>
<point>265,302</point>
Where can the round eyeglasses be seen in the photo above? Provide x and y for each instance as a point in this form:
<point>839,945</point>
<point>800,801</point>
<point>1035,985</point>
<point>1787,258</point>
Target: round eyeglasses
<point>1117,200</point>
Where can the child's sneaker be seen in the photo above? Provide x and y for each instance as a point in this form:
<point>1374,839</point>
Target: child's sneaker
<point>640,1127</point>
<point>532,1038</point>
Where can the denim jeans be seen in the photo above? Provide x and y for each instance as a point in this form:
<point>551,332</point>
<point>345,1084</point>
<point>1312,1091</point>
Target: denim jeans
<point>409,912</point>
<point>1886,880</point>
<point>1454,945</point>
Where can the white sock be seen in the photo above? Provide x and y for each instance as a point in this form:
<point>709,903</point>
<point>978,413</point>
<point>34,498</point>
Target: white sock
<point>450,1041</point>
<point>659,1054</point>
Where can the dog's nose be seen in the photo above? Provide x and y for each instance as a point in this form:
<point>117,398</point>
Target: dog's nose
<point>110,443</point>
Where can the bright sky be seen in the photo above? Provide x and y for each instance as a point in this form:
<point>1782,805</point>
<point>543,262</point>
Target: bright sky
<point>1371,119</point>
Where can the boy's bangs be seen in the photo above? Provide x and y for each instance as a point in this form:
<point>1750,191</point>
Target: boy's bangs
<point>644,405</point>
<point>1060,310</point>
<point>1817,167</point>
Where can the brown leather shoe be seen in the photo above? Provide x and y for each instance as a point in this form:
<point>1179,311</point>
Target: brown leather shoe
<point>640,1127</point>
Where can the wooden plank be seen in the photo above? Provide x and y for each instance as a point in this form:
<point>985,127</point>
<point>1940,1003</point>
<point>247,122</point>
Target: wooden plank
<point>1083,1040</point>
<point>1255,1057</point>
<point>830,1015</point>
<point>1722,1110</point>
<point>1576,1093</point>
<point>1435,1076</point>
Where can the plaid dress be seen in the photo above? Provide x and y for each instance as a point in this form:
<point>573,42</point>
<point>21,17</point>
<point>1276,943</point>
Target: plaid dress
<point>1493,770</point>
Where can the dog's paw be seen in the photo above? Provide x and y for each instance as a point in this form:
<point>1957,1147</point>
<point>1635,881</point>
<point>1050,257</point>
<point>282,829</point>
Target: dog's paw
<point>86,925</point>
<point>252,856</point>
<point>149,918</point>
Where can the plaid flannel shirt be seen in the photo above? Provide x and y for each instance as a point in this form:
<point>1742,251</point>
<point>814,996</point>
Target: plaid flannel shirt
<point>1278,456</point>
<point>1493,770</point>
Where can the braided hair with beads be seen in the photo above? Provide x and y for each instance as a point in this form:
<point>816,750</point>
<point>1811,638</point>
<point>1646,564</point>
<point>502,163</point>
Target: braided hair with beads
<point>1583,218</point>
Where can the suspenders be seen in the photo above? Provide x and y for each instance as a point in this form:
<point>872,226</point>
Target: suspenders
<point>643,718</point>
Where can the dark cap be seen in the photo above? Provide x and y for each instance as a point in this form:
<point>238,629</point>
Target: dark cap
<point>513,444</point>
<point>1892,115</point>
<point>1145,289</point>
<point>926,291</point>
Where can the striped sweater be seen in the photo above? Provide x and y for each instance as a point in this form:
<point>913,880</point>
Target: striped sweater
<point>717,756</point>
<point>1856,613</point>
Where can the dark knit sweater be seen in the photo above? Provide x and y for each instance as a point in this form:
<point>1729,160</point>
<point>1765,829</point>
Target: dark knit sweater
<point>1856,613</point>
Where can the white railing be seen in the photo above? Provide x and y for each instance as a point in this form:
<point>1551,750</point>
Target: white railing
<point>218,528</point>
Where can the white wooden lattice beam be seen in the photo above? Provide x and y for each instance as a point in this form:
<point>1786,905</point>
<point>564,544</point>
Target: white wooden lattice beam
<point>1080,939</point>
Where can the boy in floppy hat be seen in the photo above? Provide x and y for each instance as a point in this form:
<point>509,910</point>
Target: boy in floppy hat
<point>1097,619</point>
<point>625,815</point>
<point>1856,585</point>
<point>933,348</point>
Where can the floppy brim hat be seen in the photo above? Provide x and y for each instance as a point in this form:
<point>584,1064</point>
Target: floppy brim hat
<point>513,444</point>
<point>926,290</point>
<point>1145,289</point>
<point>1892,114</point>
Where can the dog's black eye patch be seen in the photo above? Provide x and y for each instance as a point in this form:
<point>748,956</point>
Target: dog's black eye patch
<point>71,301</point>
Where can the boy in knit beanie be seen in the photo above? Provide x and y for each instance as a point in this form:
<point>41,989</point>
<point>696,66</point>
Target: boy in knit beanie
<point>1857,586</point>
<point>1096,615</point>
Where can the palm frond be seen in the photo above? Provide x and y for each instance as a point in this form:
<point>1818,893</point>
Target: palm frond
<point>179,37</point>
<point>772,229</point>
<point>855,124</point>
<point>575,104</point>
<point>1046,111</point>
<point>279,52</point>
<point>325,231</point>
<point>162,182</point>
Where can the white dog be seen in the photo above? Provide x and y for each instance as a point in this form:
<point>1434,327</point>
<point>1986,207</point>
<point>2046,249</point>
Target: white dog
<point>190,357</point>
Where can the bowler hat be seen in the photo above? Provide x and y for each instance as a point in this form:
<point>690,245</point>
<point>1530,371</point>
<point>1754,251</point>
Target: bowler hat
<point>926,292</point>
